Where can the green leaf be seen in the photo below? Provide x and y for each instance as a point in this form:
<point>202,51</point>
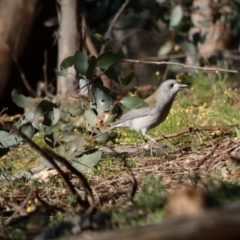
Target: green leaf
<point>21,101</point>
<point>111,74</point>
<point>125,81</point>
<point>28,124</point>
<point>72,144</point>
<point>91,67</point>
<point>43,107</point>
<point>103,100</point>
<point>84,88</point>
<point>104,138</point>
<point>176,16</point>
<point>49,111</point>
<point>87,160</point>
<point>165,49</point>
<point>61,73</point>
<point>73,147</point>
<point>80,62</point>
<point>46,163</point>
<point>67,62</point>
<point>185,44</point>
<point>107,59</point>
<point>51,118</point>
<point>76,112</point>
<point>64,127</point>
<point>50,137</point>
<point>133,102</point>
<point>90,117</point>
<point>28,130</point>
<point>100,38</point>
<point>8,139</point>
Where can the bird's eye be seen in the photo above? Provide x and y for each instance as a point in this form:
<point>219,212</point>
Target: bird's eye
<point>171,85</point>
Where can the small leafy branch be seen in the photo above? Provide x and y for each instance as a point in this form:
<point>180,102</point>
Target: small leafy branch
<point>95,105</point>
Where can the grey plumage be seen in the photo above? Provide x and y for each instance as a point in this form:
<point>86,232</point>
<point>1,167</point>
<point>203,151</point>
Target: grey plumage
<point>149,117</point>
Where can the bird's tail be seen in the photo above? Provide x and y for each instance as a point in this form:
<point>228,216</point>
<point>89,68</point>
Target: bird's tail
<point>104,131</point>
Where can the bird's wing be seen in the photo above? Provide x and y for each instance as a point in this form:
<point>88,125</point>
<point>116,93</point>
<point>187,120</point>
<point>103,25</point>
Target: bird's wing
<point>135,113</point>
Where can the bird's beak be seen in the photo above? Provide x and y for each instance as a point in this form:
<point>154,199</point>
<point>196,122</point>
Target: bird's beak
<point>183,86</point>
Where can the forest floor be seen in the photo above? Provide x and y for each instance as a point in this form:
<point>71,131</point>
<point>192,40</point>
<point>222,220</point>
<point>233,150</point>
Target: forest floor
<point>192,170</point>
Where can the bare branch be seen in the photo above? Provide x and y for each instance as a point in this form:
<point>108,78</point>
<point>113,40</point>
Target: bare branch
<point>206,69</point>
<point>23,77</point>
<point>113,23</point>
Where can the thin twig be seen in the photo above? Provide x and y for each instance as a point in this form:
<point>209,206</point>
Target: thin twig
<point>90,45</point>
<point>45,78</point>
<point>22,75</point>
<point>206,69</point>
<point>210,153</point>
<point>22,206</point>
<point>117,15</point>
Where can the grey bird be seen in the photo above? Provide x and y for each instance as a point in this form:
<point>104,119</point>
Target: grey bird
<point>149,117</point>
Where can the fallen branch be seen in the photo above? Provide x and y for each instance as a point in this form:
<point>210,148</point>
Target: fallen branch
<point>195,129</point>
<point>216,224</point>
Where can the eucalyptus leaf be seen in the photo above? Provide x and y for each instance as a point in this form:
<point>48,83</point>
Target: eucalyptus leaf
<point>185,44</point>
<point>107,59</point>
<point>74,146</point>
<point>176,16</point>
<point>91,67</point>
<point>165,49</point>
<point>90,117</point>
<point>51,118</point>
<point>60,149</point>
<point>103,138</point>
<point>35,124</point>
<point>28,124</point>
<point>109,118</point>
<point>86,161</point>
<point>125,81</point>
<point>100,38</point>
<point>83,85</point>
<point>50,137</point>
<point>81,62</point>
<point>61,73</point>
<point>49,111</point>
<point>133,102</point>
<point>67,62</point>
<point>8,139</point>
<point>76,112</point>
<point>21,101</point>
<point>66,127</point>
<point>43,107</point>
<point>103,100</point>
<point>46,163</point>
<point>111,74</point>
<point>28,130</point>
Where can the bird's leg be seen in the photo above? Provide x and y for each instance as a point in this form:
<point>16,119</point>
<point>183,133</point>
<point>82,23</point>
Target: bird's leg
<point>143,141</point>
<point>151,138</point>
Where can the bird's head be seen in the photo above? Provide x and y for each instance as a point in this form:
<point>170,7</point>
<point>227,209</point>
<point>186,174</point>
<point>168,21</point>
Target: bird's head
<point>169,88</point>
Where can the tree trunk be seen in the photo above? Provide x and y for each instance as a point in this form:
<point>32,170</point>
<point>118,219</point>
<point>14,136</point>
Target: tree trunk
<point>16,20</point>
<point>68,43</point>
